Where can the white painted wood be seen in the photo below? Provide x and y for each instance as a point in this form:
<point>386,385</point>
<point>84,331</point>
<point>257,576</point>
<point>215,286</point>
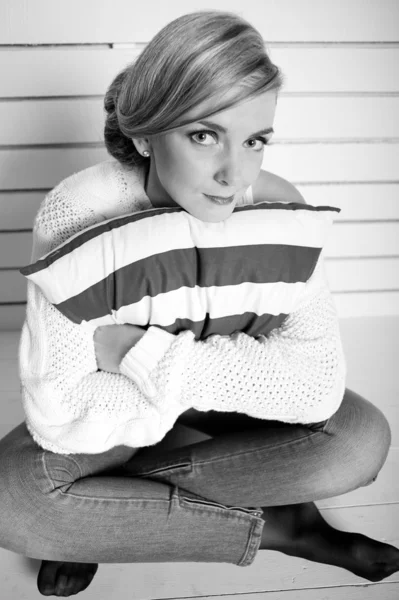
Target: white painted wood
<point>358,304</point>
<point>9,381</point>
<point>379,162</point>
<point>15,249</point>
<point>12,317</point>
<point>333,162</point>
<point>358,202</point>
<point>352,592</point>
<point>72,121</point>
<point>9,341</point>
<point>363,275</point>
<point>186,580</point>
<point>12,411</point>
<point>363,239</point>
<point>81,120</point>
<point>338,69</point>
<point>12,287</point>
<point>89,71</point>
<point>371,347</point>
<point>335,118</point>
<point>59,71</point>
<point>390,591</point>
<point>120,21</point>
<point>44,168</point>
<point>18,210</point>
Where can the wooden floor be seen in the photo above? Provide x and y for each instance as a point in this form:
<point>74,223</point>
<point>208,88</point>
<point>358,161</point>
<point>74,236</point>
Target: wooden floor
<point>371,347</point>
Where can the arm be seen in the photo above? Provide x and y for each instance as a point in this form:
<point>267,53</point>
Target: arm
<point>296,374</point>
<point>117,351</point>
<point>303,357</point>
<point>70,406</point>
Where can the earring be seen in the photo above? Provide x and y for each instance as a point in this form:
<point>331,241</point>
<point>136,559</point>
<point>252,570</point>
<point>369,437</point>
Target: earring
<point>145,153</point>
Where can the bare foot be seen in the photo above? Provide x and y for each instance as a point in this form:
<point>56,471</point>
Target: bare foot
<point>78,576</point>
<point>300,530</point>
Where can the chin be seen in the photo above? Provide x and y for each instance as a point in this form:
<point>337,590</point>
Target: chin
<point>207,215</point>
<point>209,218</point>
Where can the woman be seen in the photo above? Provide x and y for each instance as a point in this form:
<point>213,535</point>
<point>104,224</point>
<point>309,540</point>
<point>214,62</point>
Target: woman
<point>253,485</point>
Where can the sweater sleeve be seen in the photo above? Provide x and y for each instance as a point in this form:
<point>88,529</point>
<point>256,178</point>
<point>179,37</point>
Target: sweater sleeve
<point>296,374</point>
<point>70,406</point>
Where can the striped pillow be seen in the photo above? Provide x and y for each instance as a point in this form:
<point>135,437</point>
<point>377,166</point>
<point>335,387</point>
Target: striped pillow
<point>165,267</point>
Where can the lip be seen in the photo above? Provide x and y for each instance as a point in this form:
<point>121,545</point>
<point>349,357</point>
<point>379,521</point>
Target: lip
<point>220,199</point>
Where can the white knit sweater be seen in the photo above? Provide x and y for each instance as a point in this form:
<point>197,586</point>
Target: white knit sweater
<point>296,374</point>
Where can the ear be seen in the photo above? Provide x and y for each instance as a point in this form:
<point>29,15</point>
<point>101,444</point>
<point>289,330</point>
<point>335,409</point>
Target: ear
<point>141,144</point>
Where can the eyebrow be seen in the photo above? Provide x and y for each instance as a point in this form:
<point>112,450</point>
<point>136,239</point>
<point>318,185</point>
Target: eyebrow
<point>223,130</point>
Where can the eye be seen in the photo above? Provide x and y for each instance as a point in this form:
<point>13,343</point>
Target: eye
<point>260,139</point>
<point>205,132</point>
<point>202,132</point>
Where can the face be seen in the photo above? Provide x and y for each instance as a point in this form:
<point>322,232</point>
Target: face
<point>199,159</point>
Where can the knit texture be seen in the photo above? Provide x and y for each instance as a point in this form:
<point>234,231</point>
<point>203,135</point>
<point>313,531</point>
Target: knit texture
<point>296,374</point>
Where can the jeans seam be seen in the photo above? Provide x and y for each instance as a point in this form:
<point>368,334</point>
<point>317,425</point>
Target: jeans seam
<point>254,540</point>
<point>108,499</point>
<point>46,471</point>
<point>185,467</point>
<point>205,503</point>
<point>288,443</point>
<point>77,465</point>
<point>43,460</point>
<point>168,468</point>
<point>323,429</point>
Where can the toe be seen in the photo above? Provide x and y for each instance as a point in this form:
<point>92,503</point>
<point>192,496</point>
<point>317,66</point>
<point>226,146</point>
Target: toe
<point>64,578</point>
<point>46,577</point>
<point>63,582</point>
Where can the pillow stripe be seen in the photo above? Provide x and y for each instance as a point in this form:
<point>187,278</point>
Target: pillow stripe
<point>115,249</point>
<point>177,269</point>
<point>247,322</point>
<point>165,267</point>
<point>90,233</point>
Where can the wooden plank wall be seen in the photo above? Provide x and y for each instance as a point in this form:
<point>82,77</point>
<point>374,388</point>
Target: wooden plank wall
<point>337,121</point>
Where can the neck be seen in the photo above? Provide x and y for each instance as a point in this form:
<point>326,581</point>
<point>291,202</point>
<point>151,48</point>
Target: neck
<point>158,196</point>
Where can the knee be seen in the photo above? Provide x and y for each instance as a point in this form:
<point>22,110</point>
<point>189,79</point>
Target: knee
<point>22,492</point>
<point>10,494</point>
<point>379,442</point>
<point>367,437</point>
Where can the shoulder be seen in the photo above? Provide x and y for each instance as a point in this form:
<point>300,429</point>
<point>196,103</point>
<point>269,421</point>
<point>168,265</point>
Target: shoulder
<point>272,188</point>
<point>98,179</point>
<point>75,203</point>
<point>105,189</point>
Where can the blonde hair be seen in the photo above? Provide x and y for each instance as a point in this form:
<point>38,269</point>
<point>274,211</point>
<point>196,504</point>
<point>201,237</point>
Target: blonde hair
<point>198,56</point>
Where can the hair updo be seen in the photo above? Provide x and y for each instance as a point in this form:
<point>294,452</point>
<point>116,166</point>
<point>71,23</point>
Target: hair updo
<point>198,56</point>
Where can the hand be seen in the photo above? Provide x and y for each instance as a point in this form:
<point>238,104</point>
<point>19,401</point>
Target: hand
<point>112,342</point>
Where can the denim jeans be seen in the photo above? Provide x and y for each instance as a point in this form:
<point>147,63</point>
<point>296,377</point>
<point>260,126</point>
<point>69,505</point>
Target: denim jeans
<point>197,503</point>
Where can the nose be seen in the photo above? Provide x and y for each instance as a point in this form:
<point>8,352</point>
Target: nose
<point>230,173</point>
